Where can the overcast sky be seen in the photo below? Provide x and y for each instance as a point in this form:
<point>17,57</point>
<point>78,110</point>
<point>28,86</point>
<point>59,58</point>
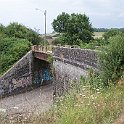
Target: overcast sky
<point>102,13</point>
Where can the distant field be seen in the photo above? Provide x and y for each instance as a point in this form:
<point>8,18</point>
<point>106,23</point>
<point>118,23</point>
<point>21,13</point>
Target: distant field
<point>50,37</point>
<point>98,34</point>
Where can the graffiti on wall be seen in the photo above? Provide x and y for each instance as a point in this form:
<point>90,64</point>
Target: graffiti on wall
<point>38,78</point>
<point>41,76</point>
<point>46,75</point>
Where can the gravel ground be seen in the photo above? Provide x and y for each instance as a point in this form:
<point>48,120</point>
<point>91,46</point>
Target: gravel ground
<point>36,101</point>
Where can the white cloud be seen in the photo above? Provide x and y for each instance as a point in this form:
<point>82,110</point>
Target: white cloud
<point>99,14</point>
<point>121,15</point>
<point>103,13</point>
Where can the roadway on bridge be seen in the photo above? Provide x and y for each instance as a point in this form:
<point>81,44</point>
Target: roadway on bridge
<point>35,101</point>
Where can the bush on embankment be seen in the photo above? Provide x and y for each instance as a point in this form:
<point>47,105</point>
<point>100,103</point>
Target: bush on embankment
<point>20,31</point>
<point>11,50</point>
<point>15,41</point>
<point>112,60</point>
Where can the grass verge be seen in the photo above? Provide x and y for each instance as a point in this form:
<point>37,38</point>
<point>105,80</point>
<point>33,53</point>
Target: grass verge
<point>84,105</point>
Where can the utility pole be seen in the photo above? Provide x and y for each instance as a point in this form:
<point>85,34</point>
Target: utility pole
<point>45,12</point>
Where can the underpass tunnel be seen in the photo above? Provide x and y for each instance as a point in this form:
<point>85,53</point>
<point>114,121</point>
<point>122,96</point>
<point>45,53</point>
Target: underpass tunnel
<point>42,73</point>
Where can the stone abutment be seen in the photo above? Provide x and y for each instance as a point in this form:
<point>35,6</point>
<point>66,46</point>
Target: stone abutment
<point>35,69</point>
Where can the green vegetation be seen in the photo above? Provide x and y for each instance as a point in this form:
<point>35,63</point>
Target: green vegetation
<point>112,59</point>
<point>50,59</point>
<point>76,29</point>
<point>15,41</point>
<point>110,33</point>
<point>111,55</point>
<point>100,42</point>
<point>11,50</point>
<point>100,29</point>
<point>106,29</point>
<point>20,31</point>
<point>87,106</point>
<point>97,44</point>
<point>73,28</point>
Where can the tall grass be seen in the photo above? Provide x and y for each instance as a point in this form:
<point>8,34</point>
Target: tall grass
<point>84,105</point>
<point>90,106</point>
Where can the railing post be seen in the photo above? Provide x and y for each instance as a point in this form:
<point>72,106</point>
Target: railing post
<point>46,48</point>
<point>43,48</point>
<point>38,47</point>
<point>32,48</point>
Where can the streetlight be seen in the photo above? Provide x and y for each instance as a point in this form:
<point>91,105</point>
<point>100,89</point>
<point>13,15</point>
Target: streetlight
<point>45,12</point>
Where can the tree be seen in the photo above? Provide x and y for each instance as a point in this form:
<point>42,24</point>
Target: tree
<point>60,24</point>
<point>100,29</point>
<point>20,31</point>
<point>76,27</point>
<point>2,30</point>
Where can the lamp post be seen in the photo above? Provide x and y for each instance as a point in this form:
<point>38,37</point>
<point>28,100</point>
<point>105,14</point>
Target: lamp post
<point>45,23</point>
<point>45,12</point>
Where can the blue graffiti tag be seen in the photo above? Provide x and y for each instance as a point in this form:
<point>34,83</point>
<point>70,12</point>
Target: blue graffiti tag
<point>46,75</point>
<point>37,78</point>
<point>42,75</point>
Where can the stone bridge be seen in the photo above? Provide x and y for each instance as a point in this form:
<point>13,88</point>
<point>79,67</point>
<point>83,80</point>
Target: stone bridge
<point>31,71</point>
<point>36,69</point>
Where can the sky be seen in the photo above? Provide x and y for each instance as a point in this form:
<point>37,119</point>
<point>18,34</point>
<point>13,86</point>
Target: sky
<point>102,13</point>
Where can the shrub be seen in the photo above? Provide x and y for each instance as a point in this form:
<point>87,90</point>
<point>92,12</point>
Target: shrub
<point>15,41</point>
<point>20,31</point>
<point>110,33</point>
<point>95,44</point>
<point>112,60</point>
<point>56,41</point>
<point>11,50</point>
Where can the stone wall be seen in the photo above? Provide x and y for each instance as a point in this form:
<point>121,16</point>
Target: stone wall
<point>18,77</point>
<point>70,64</point>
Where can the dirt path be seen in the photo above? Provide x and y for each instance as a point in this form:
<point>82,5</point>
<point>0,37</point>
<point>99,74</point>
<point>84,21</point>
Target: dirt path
<point>120,120</point>
<point>35,101</point>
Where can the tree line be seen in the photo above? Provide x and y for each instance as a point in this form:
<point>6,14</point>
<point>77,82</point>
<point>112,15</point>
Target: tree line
<point>107,29</point>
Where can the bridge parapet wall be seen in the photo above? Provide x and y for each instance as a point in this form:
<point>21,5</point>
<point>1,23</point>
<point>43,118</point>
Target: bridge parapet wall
<point>83,58</point>
<point>40,48</point>
<point>70,64</point>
